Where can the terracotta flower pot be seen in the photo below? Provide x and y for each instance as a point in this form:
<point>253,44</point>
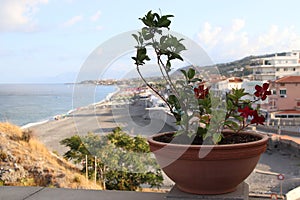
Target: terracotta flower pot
<point>208,169</point>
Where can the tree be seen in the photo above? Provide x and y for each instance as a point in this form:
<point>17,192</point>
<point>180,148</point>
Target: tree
<point>123,161</point>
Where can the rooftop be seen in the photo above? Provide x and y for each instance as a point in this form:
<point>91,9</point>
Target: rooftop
<point>289,79</point>
<point>235,80</point>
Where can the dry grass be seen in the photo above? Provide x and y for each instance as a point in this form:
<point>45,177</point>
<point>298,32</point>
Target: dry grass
<point>38,148</point>
<point>11,130</point>
<point>32,154</point>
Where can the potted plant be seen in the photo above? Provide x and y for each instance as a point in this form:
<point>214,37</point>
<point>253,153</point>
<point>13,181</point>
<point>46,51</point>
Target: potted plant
<point>211,153</point>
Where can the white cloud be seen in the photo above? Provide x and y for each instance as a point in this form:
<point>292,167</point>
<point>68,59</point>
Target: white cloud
<point>18,15</point>
<point>285,38</point>
<point>234,42</point>
<point>209,35</point>
<point>96,16</point>
<point>73,20</point>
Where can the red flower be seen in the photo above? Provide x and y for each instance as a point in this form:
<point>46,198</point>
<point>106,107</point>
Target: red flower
<point>200,92</point>
<point>262,91</point>
<point>257,119</point>
<point>246,112</point>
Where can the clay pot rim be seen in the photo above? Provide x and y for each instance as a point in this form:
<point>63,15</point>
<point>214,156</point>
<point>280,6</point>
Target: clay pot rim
<point>263,140</point>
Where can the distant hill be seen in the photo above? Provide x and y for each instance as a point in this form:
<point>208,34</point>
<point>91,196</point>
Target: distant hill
<point>236,68</point>
<point>24,161</point>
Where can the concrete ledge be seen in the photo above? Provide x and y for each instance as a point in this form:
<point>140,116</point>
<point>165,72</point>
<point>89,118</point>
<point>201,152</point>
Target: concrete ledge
<point>39,193</point>
<point>18,193</point>
<point>242,193</point>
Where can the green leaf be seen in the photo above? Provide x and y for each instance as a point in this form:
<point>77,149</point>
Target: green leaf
<point>162,39</point>
<point>141,40</point>
<point>229,104</point>
<point>147,35</point>
<point>196,79</point>
<point>175,56</point>
<point>184,72</point>
<point>217,137</point>
<point>141,56</point>
<point>136,37</point>
<point>168,66</point>
<point>191,73</point>
<point>164,21</point>
<point>173,101</point>
<point>179,47</point>
<point>148,19</point>
<point>231,124</point>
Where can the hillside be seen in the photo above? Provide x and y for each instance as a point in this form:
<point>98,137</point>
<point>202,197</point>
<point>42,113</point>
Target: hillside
<point>24,161</point>
<point>237,68</point>
<point>228,69</point>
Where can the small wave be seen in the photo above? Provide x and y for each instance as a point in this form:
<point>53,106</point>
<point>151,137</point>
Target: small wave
<point>26,126</point>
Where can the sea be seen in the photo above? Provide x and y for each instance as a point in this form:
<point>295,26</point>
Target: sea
<point>29,104</point>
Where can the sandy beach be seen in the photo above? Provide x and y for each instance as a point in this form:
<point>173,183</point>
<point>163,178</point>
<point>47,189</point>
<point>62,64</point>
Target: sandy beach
<point>99,118</point>
<point>134,118</point>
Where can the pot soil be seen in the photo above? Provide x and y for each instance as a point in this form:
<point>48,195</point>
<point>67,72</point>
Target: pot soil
<point>209,169</point>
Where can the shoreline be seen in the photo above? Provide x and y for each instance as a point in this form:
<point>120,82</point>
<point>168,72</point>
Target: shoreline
<point>118,109</point>
<point>69,112</point>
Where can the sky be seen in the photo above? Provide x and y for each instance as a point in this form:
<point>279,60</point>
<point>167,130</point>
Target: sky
<point>45,41</point>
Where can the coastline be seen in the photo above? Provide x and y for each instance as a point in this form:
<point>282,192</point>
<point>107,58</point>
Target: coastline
<point>116,110</point>
<point>69,112</point>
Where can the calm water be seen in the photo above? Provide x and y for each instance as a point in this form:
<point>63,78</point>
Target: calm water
<point>27,103</point>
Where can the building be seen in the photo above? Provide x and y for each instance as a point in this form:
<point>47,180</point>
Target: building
<point>285,98</point>
<point>229,84</point>
<point>278,66</point>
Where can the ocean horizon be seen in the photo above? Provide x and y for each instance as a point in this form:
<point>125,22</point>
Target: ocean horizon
<point>24,104</point>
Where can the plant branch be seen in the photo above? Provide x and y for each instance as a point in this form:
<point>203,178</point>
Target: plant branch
<point>152,88</point>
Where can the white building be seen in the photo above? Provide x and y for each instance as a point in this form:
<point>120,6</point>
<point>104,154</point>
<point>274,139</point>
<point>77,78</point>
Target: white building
<point>238,83</point>
<point>230,83</point>
<point>278,66</point>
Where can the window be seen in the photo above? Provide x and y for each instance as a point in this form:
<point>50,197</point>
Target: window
<point>282,93</point>
<point>294,69</point>
<point>285,69</point>
<point>298,103</point>
<point>274,92</point>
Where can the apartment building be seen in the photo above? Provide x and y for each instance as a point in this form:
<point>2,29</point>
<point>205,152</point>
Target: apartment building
<point>278,66</point>
<point>285,98</point>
